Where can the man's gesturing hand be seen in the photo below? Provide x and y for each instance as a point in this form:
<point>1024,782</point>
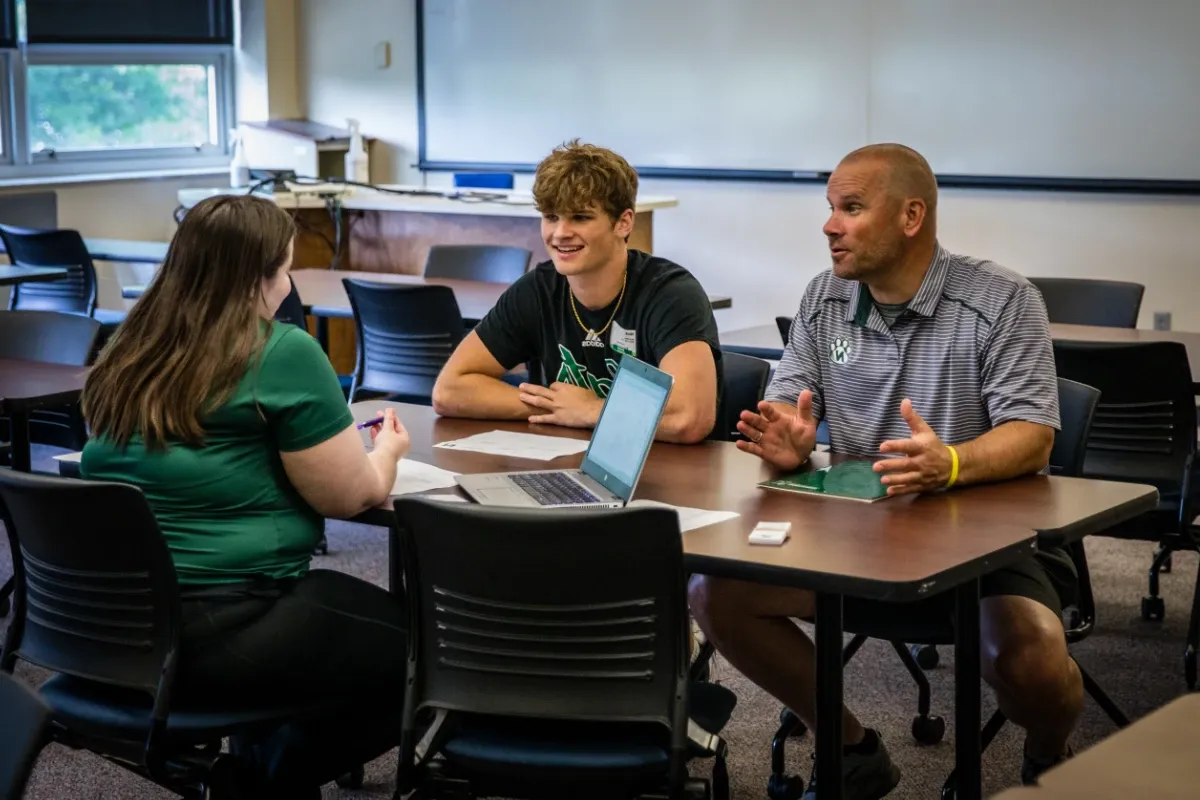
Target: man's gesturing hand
<point>921,463</point>
<point>779,438</point>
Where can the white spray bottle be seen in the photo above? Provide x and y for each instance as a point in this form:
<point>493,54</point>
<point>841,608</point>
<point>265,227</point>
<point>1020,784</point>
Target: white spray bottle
<point>239,167</point>
<point>357,167</point>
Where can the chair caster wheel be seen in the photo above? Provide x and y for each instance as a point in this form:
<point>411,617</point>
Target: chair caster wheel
<point>926,655</point>
<point>353,779</point>
<point>785,787</point>
<point>929,729</point>
<point>787,719</point>
<point>1166,565</point>
<point>1153,609</point>
<point>949,793</point>
<point>322,547</point>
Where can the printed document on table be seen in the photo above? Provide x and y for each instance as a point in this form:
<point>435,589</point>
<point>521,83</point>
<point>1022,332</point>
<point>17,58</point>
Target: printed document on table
<point>691,518</point>
<point>415,476</point>
<point>518,445</point>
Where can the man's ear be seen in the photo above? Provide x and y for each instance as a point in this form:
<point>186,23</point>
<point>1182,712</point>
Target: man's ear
<point>914,216</point>
<point>624,224</point>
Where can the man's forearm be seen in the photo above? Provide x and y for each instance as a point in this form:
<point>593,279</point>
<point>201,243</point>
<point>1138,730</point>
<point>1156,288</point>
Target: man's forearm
<point>1007,451</point>
<point>480,397</point>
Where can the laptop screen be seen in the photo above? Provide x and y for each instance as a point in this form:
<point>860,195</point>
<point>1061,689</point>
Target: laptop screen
<point>626,426</point>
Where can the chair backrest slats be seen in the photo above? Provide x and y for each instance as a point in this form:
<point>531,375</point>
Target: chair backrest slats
<point>571,615</point>
<point>96,593</point>
<point>405,336</point>
<point>74,294</point>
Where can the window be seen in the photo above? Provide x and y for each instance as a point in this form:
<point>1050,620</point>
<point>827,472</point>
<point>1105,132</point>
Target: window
<point>117,103</point>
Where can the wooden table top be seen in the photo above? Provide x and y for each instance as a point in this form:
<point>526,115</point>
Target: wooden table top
<point>899,549</point>
<point>763,340</point>
<point>1153,757</point>
<point>34,383</point>
<point>12,275</point>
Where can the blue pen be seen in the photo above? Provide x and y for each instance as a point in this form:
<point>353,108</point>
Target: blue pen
<point>369,423</point>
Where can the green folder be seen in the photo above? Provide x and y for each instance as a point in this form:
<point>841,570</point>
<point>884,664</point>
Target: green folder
<point>852,480</point>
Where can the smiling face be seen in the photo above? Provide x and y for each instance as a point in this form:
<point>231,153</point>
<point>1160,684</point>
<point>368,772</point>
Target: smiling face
<point>867,222</point>
<point>580,242</point>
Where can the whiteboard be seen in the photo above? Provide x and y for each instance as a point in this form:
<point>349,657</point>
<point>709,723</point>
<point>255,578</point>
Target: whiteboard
<point>1092,89</point>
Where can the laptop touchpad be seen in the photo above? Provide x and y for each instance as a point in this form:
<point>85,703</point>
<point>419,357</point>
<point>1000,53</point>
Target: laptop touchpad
<point>507,497</point>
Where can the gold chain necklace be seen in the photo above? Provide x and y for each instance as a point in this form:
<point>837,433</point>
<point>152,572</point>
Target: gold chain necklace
<point>591,334</point>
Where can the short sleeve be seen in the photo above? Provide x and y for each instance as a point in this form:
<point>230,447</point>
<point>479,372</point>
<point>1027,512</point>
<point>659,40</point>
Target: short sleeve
<point>510,329</point>
<point>299,393</point>
<point>680,313</point>
<point>1018,374</point>
<point>799,368</point>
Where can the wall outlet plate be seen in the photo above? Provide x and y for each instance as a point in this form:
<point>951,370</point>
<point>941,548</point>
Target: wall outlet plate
<point>1162,320</point>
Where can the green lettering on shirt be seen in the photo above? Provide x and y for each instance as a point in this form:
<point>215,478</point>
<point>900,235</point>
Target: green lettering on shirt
<point>576,374</point>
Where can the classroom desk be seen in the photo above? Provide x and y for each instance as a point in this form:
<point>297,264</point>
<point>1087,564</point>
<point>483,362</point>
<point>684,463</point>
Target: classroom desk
<point>11,276</point>
<point>1154,757</point>
<point>126,251</point>
<point>762,341</point>
<point>29,385</point>
<point>899,549</point>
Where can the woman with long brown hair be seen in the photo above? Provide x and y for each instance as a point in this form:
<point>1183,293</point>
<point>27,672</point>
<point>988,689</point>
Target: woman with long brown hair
<point>236,429</point>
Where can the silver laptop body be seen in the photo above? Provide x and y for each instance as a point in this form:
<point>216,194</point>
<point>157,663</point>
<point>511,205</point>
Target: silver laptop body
<point>614,459</point>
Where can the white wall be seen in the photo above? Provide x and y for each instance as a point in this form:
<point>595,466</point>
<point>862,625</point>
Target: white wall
<point>761,243</point>
<point>338,77</point>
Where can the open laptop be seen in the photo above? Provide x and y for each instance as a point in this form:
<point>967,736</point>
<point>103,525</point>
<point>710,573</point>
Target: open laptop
<point>614,458</point>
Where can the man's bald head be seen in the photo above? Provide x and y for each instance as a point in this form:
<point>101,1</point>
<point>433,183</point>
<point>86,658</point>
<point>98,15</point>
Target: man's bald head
<point>907,173</point>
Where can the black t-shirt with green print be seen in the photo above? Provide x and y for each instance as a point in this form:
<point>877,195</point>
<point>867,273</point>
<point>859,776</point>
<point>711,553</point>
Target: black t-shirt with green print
<point>663,307</point>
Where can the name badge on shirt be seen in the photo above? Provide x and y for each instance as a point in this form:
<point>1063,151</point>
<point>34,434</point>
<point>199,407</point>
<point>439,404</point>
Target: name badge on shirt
<point>623,341</point>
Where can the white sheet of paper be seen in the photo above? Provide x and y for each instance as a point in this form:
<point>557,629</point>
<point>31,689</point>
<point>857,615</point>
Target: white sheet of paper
<point>691,518</point>
<point>518,445</point>
<point>416,476</point>
<point>70,457</point>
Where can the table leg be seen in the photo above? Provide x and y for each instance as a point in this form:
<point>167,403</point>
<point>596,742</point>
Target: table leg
<point>19,422</point>
<point>829,696</point>
<point>322,325</point>
<point>966,692</point>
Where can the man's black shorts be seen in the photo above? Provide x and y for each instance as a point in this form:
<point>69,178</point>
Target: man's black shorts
<point>1048,577</point>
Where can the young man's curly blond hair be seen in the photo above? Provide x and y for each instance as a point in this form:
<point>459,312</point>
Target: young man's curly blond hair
<point>575,176</point>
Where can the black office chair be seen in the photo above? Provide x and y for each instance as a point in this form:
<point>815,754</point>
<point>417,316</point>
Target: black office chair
<point>785,328</point>
<point>1077,406</point>
<point>24,719</point>
<point>745,384</point>
<point>477,262</point>
<point>291,310</point>
<point>56,338</point>
<point>553,661</point>
<point>1085,301</point>
<point>74,294</point>
<point>97,602</point>
<point>1145,432</point>
<point>405,336</point>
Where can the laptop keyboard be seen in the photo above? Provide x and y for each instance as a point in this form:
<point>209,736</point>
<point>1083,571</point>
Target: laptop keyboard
<point>553,489</point>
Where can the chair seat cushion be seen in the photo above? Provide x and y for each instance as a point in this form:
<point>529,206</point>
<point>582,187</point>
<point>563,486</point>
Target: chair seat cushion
<point>92,709</point>
<point>578,750</point>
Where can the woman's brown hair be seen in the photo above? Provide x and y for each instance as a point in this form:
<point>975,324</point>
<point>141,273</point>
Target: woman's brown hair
<point>186,345</point>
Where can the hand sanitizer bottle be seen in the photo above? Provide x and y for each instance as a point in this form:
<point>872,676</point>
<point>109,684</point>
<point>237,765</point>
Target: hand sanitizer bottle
<point>239,167</point>
<point>357,168</point>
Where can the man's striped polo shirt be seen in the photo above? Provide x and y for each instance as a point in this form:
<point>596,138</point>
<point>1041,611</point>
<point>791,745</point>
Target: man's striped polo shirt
<point>972,351</point>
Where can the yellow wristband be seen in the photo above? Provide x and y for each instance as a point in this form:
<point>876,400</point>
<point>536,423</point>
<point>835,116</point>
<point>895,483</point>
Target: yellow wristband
<point>953,466</point>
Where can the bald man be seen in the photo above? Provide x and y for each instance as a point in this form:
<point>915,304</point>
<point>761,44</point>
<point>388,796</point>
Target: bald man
<point>943,365</point>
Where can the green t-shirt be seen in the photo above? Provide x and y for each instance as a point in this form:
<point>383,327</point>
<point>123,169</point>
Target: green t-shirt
<point>227,508</point>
